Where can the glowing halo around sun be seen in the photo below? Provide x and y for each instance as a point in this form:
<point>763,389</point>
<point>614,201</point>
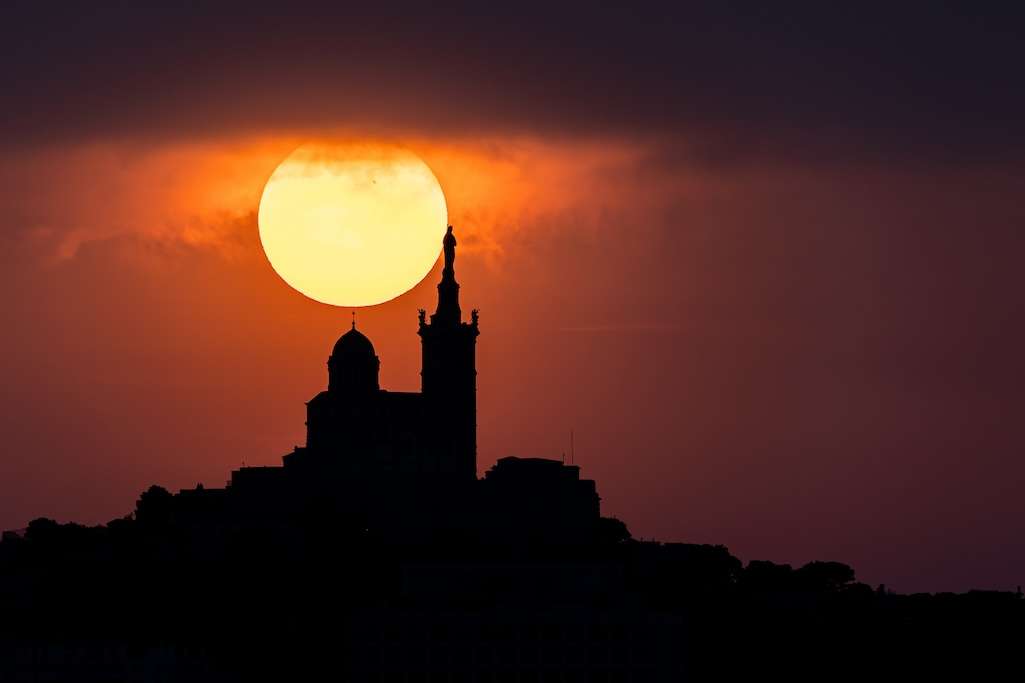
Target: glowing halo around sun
<point>352,224</point>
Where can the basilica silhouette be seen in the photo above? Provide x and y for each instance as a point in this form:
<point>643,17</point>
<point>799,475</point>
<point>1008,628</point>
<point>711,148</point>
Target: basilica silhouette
<point>404,464</point>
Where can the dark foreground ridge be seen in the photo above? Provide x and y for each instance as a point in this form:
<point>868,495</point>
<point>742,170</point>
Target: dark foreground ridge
<point>374,553</point>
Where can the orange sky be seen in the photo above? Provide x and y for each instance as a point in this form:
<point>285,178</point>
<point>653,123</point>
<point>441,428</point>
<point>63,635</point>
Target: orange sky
<point>732,350</point>
<point>765,264</point>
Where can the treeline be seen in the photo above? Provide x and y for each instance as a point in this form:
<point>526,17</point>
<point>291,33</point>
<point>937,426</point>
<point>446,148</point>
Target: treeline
<point>150,594</point>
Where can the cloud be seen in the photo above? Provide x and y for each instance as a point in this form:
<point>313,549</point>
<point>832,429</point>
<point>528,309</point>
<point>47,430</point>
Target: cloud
<point>199,195</point>
<point>815,83</point>
<point>64,198</point>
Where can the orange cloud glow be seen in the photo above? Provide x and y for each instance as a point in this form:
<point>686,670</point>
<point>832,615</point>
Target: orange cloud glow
<point>194,194</point>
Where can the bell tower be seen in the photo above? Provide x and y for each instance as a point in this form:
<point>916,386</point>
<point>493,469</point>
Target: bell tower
<point>449,376</point>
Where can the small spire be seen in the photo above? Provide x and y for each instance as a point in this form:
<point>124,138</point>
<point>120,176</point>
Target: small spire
<point>354,319</point>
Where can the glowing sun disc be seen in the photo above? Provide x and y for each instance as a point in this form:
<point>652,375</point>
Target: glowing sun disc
<point>352,225</point>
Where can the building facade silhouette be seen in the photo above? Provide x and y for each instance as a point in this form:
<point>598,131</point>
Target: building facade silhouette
<point>405,463</point>
<point>367,432</point>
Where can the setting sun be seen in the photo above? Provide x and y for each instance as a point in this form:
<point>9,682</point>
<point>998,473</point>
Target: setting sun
<point>353,224</point>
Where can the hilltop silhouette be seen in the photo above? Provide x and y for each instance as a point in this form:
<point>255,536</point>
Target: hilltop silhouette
<point>375,553</point>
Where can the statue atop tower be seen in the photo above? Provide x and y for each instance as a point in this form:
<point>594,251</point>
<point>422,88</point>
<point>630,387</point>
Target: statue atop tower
<point>449,247</point>
<point>448,312</point>
<point>449,374</point>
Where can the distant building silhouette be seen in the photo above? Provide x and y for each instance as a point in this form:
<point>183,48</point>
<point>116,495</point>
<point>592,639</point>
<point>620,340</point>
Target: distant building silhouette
<point>536,499</point>
<point>405,463</point>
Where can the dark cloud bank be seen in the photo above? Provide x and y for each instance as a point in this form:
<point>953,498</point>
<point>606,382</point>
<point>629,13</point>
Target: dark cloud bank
<point>922,81</point>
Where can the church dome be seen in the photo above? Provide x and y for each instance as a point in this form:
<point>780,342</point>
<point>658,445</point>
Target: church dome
<point>353,365</point>
<point>353,343</point>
